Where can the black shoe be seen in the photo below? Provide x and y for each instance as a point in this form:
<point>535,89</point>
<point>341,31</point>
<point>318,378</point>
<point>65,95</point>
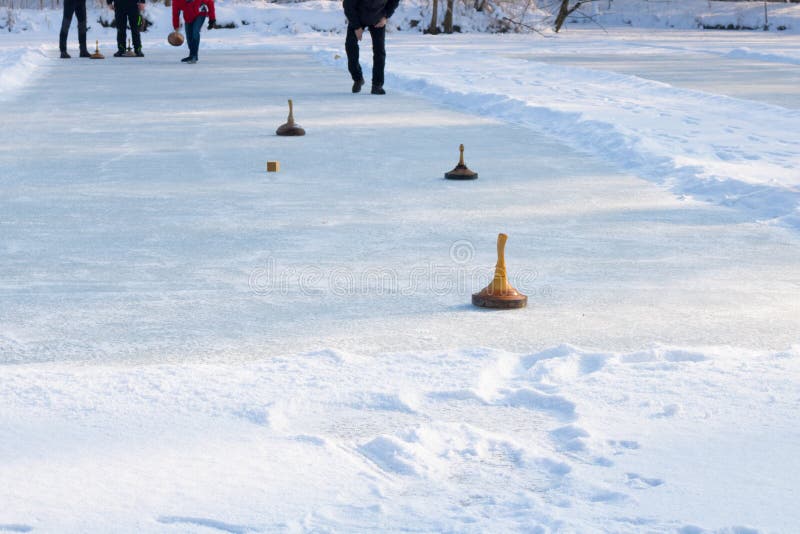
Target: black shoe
<point>378,90</point>
<point>357,84</point>
<point>119,53</point>
<point>192,60</point>
<point>64,55</point>
<point>85,53</point>
<point>186,59</point>
<point>139,52</point>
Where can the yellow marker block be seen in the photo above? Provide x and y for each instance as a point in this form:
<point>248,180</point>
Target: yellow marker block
<point>273,166</point>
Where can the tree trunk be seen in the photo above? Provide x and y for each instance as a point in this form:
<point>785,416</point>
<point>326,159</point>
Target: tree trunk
<point>448,17</point>
<point>432,27</point>
<point>564,11</point>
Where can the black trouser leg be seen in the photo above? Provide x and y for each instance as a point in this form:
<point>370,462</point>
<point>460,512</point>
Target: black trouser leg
<point>133,17</point>
<point>351,46</point>
<point>121,20</point>
<point>80,13</point>
<point>66,21</point>
<point>378,54</point>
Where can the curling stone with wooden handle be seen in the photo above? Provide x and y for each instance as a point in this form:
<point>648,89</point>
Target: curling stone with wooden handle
<point>290,128</point>
<point>499,293</point>
<point>461,171</point>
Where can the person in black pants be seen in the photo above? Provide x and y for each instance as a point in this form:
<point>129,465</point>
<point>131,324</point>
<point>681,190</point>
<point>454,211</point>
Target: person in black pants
<point>371,14</point>
<point>78,8</point>
<point>127,11</point>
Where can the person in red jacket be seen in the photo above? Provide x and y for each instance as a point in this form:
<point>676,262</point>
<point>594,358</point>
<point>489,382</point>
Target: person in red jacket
<point>194,15</point>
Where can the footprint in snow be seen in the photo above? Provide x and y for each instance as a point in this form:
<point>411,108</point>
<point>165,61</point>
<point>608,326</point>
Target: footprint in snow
<point>15,528</point>
<point>692,529</point>
<point>556,405</point>
<point>569,438</point>
<point>637,481</point>
<point>670,410</point>
<point>313,440</point>
<point>208,523</point>
<point>591,363</point>
<point>628,444</point>
<point>608,496</point>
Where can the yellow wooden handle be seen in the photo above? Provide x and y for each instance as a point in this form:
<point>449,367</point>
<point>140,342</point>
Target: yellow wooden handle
<point>499,283</point>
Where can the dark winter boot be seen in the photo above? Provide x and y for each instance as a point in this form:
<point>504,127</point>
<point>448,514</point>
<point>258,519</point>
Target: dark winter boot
<point>62,37</point>
<point>378,90</point>
<point>119,53</point>
<point>139,52</point>
<point>186,59</point>
<point>82,39</point>
<point>64,55</point>
<point>357,84</point>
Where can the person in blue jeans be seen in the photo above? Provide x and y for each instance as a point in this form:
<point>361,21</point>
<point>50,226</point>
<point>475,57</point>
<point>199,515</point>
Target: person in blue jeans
<point>194,15</point>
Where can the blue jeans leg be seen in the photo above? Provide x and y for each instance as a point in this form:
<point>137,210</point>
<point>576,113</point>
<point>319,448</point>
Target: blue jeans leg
<point>194,31</point>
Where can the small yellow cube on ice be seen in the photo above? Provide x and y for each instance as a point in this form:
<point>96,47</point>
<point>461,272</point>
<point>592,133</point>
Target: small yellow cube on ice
<point>273,166</point>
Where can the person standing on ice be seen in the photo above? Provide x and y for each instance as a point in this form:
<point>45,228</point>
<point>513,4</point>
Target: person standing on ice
<point>371,14</point>
<point>127,11</point>
<point>194,15</point>
<point>78,8</point>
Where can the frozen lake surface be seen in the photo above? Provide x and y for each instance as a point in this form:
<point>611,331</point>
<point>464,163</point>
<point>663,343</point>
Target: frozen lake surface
<point>192,344</point>
<point>146,228</point>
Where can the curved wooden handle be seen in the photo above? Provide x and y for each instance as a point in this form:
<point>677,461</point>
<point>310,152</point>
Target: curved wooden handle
<point>461,156</point>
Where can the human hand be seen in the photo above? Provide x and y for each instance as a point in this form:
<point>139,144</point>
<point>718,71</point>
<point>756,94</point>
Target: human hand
<point>212,24</point>
<point>381,23</point>
<point>359,33</point>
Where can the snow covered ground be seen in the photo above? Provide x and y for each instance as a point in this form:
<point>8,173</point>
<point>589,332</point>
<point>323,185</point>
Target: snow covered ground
<point>189,344</point>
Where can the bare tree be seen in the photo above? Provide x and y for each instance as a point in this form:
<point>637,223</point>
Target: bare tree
<point>448,17</point>
<point>433,26</point>
<point>565,10</point>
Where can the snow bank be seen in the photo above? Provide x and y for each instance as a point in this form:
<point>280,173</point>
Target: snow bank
<point>711,147</point>
<point>690,14</point>
<point>747,53</point>
<point>660,439</point>
<point>415,16</point>
<point>18,66</point>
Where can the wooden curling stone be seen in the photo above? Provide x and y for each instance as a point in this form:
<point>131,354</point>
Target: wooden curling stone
<point>129,52</point>
<point>499,294</point>
<point>97,54</point>
<point>175,38</point>
<point>290,128</point>
<point>461,171</point>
